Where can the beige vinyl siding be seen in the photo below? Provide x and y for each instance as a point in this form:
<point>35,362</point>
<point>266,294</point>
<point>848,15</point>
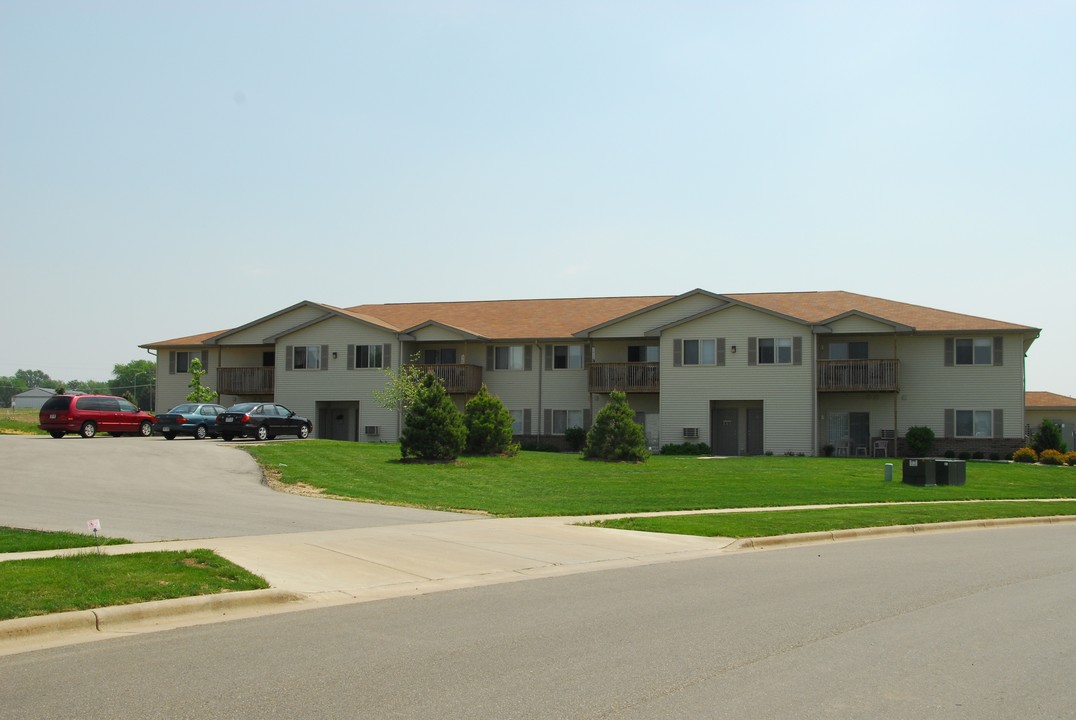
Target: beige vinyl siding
<point>786,391</point>
<point>879,347</point>
<point>517,389</point>
<point>610,351</point>
<point>638,326</point>
<point>172,388</point>
<point>301,390</point>
<point>564,389</point>
<point>879,405</point>
<point>1065,418</point>
<point>437,334</point>
<point>928,387</point>
<point>856,324</point>
<point>257,333</point>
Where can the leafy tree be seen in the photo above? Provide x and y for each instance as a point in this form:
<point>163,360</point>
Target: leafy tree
<point>34,378</point>
<point>138,378</point>
<point>402,387</point>
<point>433,427</point>
<point>199,393</point>
<point>1048,437</point>
<point>10,387</point>
<point>615,436</point>
<point>920,440</point>
<point>489,425</point>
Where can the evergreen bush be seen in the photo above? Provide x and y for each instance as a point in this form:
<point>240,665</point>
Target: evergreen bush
<point>1048,437</point>
<point>433,427</point>
<point>615,436</point>
<point>920,440</point>
<point>489,425</point>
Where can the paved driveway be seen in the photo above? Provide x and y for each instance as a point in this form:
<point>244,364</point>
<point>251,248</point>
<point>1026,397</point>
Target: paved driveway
<point>152,489</point>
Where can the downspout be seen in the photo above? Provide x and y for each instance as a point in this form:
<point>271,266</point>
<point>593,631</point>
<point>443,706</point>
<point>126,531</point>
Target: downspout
<point>896,395</point>
<point>814,391</point>
<point>540,361</point>
<point>156,375</point>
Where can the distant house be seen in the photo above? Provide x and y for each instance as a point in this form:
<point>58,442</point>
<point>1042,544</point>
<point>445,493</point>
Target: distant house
<point>748,374</point>
<point>1061,409</point>
<point>34,398</point>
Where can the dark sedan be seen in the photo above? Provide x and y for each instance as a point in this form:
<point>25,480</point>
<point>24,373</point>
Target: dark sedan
<point>262,421</point>
<point>195,419</point>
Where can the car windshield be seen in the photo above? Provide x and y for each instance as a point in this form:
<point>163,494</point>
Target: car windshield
<point>182,409</point>
<point>242,407</point>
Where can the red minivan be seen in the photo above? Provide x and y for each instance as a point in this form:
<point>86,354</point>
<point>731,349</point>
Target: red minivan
<point>90,414</point>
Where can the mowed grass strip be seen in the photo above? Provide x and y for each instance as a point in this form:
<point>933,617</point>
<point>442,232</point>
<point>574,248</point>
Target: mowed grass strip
<point>786,522</point>
<point>20,421</point>
<point>541,484</point>
<point>18,540</point>
<point>90,580</point>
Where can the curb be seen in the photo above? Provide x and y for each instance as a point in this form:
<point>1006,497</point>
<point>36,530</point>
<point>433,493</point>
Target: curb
<point>857,533</point>
<point>113,618</point>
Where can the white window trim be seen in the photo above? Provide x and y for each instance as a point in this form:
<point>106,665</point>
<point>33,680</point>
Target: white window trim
<point>713,344</point>
<point>776,351</point>
<point>574,352</point>
<point>512,357</point>
<point>369,349</point>
<point>568,417</point>
<point>956,423</point>
<point>976,343</point>
<point>307,356</point>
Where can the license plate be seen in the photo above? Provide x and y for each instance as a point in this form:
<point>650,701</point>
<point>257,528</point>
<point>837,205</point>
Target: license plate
<point>52,416</point>
<point>165,429</point>
<point>228,419</point>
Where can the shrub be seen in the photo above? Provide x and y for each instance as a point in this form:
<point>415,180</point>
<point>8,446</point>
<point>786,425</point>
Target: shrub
<point>1051,457</point>
<point>433,427</point>
<point>920,440</point>
<point>995,456</point>
<point>685,449</point>
<point>978,455</point>
<point>950,454</point>
<point>1070,458</point>
<point>489,425</point>
<point>828,450</point>
<point>615,436</point>
<point>576,438</point>
<point>964,455</point>
<point>1048,437</point>
<point>539,446</point>
<point>1025,455</point>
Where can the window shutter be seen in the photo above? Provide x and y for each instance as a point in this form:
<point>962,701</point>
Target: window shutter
<point>999,423</point>
<point>548,357</point>
<point>720,354</point>
<point>528,357</point>
<point>526,421</point>
<point>586,418</point>
<point>171,362</point>
<point>489,357</point>
<point>289,358</point>
<point>205,359</point>
<point>752,351</point>
<point>324,357</point>
<point>547,422</point>
<point>678,352</point>
<point>950,423</point>
<point>350,357</point>
<point>386,355</point>
<point>797,350</point>
<point>588,354</point>
<point>949,352</point>
<point>999,344</point>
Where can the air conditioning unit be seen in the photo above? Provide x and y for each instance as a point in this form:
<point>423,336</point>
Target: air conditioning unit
<point>372,430</point>
<point>691,432</point>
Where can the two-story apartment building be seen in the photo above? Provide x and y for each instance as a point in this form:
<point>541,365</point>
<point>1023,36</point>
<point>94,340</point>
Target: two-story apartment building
<point>745,373</point>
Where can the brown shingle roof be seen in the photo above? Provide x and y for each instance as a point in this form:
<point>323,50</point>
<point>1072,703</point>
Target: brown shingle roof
<point>816,307</point>
<point>188,341</point>
<point>1040,399</point>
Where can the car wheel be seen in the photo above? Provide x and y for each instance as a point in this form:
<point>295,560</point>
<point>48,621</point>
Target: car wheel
<point>88,430</point>
<point>145,429</point>
<point>304,432</point>
<point>200,432</point>
<point>57,433</point>
<point>227,437</point>
<point>262,433</point>
<point>169,435</point>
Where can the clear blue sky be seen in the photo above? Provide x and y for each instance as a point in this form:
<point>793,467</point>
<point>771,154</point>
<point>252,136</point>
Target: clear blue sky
<point>167,169</point>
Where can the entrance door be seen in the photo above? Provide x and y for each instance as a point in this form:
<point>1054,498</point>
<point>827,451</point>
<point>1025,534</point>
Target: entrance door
<point>755,442</point>
<point>726,431</point>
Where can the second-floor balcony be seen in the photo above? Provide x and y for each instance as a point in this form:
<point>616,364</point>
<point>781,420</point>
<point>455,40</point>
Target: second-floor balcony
<point>461,379</point>
<point>245,380</point>
<point>859,375</point>
<point>630,377</point>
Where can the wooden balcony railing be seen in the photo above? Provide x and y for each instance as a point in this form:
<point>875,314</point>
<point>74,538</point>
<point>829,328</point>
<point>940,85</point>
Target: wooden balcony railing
<point>859,376</point>
<point>463,379</point>
<point>245,381</point>
<point>624,376</point>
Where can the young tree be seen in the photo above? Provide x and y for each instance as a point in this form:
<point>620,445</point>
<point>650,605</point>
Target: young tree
<point>489,425</point>
<point>433,427</point>
<point>1048,437</point>
<point>199,393</point>
<point>402,386</point>
<point>615,436</point>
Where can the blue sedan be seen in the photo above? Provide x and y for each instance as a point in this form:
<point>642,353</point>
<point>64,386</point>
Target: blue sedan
<point>195,419</point>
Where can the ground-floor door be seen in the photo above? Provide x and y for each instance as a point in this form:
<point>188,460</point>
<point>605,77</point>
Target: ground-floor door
<point>737,427</point>
<point>337,420</point>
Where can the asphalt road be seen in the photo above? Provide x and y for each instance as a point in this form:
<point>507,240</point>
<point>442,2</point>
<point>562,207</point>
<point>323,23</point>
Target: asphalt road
<point>148,489</point>
<point>976,624</point>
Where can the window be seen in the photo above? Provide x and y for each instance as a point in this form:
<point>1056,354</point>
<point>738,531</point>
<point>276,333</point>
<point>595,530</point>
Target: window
<point>567,357</point>
<point>848,351</point>
<point>700,352</point>
<point>183,360</point>
<point>974,423</point>
<point>974,351</point>
<point>439,356</point>
<point>306,357</point>
<point>643,353</point>
<point>775,351</point>
<point>368,356</point>
<point>517,422</point>
<point>508,357</point>
<point>564,419</point>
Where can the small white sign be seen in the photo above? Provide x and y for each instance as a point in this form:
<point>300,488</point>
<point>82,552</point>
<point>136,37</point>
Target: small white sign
<point>94,525</point>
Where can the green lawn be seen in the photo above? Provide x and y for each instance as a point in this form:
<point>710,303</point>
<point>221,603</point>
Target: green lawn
<point>764,524</point>
<point>22,421</point>
<point>16,540</point>
<point>538,484</point>
<point>89,580</point>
